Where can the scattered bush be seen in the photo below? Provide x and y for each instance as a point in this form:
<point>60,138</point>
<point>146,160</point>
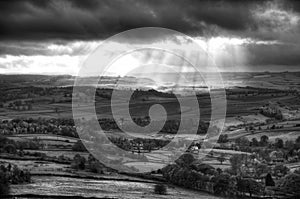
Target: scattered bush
<point>223,139</point>
<point>280,169</point>
<point>4,186</point>
<point>78,146</point>
<point>160,189</point>
<point>78,162</point>
<point>10,148</point>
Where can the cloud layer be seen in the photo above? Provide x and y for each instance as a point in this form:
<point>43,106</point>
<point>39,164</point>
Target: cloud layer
<point>75,27</point>
<point>92,19</point>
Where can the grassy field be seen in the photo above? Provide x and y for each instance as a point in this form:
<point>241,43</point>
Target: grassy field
<point>237,105</point>
<point>112,186</point>
<point>62,186</point>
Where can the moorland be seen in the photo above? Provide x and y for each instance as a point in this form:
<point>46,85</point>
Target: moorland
<point>257,154</point>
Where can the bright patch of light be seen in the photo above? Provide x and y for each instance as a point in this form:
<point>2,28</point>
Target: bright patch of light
<point>39,64</point>
<point>123,65</point>
<point>73,48</point>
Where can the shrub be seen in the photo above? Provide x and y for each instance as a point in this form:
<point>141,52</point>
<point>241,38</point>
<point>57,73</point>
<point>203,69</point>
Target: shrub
<point>95,166</point>
<point>221,158</point>
<point>78,146</point>
<point>160,189</point>
<point>10,148</point>
<point>269,180</point>
<point>281,169</point>
<point>236,162</point>
<point>4,187</point>
<point>78,162</point>
<point>223,139</point>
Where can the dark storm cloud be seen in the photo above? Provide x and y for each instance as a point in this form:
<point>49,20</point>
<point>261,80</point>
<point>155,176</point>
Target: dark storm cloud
<point>27,27</point>
<point>91,19</point>
<point>23,48</point>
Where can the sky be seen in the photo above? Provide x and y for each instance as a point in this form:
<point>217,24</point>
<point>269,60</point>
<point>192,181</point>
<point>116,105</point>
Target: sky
<point>56,37</point>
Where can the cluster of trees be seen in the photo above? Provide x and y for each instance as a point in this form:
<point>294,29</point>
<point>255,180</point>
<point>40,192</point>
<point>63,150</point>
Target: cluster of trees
<point>289,148</point>
<point>122,143</point>
<point>7,145</point>
<point>244,165</point>
<point>271,111</point>
<point>274,127</point>
<point>15,148</point>
<point>21,105</point>
<point>171,126</point>
<point>108,124</point>
<point>78,162</point>
<point>11,146</point>
<point>245,142</point>
<point>190,173</point>
<point>137,94</point>
<point>288,187</point>
<point>66,127</point>
<point>91,164</point>
<point>223,138</point>
<point>237,181</point>
<point>11,175</point>
<point>140,93</point>
<point>227,185</point>
<point>138,145</point>
<point>249,185</point>
<point>185,176</point>
<point>62,126</point>
<point>26,93</point>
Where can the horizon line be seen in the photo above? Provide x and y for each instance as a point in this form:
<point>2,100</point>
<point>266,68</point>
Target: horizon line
<point>116,75</point>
